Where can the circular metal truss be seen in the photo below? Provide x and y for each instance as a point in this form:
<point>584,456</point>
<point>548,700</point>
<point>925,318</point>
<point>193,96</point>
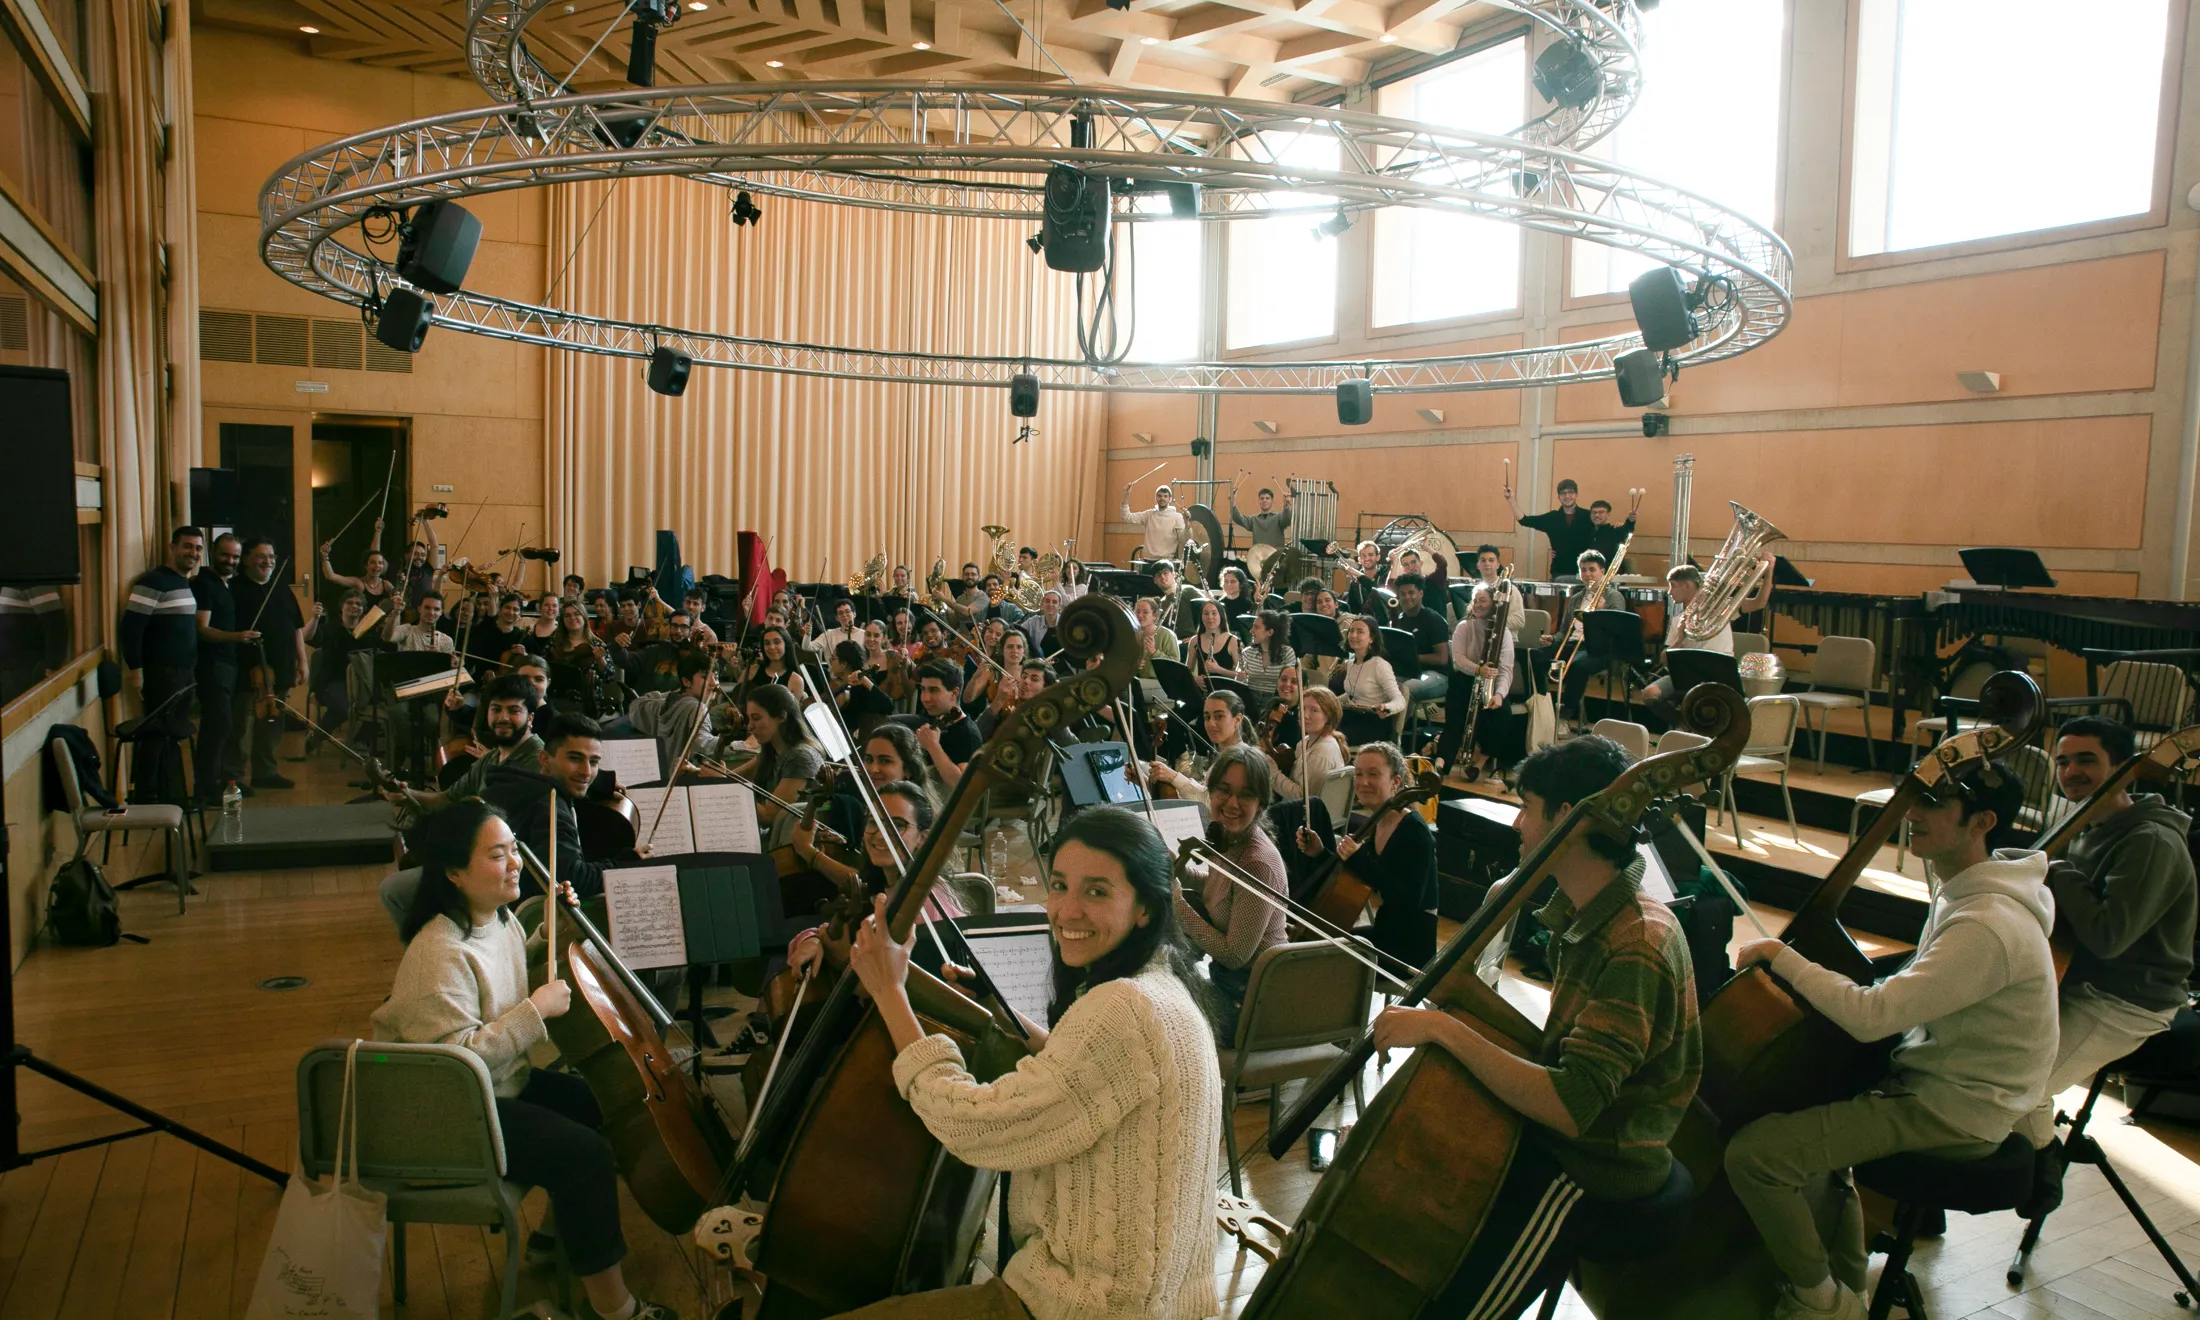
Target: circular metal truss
<point>984,150</point>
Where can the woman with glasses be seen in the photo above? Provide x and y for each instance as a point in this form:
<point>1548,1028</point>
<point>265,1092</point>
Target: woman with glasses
<point>1229,925</point>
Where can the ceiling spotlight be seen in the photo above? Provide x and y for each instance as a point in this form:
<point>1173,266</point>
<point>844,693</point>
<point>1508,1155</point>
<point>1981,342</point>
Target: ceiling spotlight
<point>745,211</point>
<point>1567,74</point>
<point>1149,41</point>
<point>309,29</point>
<point>1386,37</point>
<point>1037,242</point>
<point>698,4</point>
<point>775,64</point>
<point>1334,225</point>
<point>920,45</point>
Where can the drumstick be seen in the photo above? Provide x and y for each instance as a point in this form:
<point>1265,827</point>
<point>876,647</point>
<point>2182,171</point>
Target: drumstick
<point>1149,472</point>
<point>550,899</point>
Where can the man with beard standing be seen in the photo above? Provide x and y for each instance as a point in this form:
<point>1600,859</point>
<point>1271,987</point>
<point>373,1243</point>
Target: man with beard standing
<point>268,607</point>
<point>219,638</point>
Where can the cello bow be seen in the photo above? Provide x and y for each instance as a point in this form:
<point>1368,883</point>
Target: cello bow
<point>1717,712</point>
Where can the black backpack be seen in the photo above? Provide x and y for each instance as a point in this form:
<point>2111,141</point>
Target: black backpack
<point>81,907</point>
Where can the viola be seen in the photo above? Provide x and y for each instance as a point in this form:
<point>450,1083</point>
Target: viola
<point>609,825</point>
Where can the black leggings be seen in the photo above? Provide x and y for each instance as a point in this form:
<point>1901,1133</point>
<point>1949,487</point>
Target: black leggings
<point>553,1140</point>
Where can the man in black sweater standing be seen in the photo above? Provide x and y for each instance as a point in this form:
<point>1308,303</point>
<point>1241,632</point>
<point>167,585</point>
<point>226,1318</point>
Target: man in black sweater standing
<point>266,605</point>
<point>219,639</point>
<point>160,649</point>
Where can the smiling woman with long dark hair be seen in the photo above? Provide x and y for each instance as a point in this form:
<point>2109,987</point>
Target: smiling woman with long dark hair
<point>1109,1126</point>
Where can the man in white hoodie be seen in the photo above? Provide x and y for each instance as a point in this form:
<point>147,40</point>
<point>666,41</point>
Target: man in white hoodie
<point>1976,1012</point>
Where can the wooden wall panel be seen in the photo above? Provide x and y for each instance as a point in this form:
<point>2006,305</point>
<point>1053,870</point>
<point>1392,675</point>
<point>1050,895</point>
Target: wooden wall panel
<point>2081,327</point>
<point>2075,483</point>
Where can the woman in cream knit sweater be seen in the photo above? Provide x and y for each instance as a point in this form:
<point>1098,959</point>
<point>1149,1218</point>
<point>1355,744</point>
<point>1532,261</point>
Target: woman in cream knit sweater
<point>1109,1127</point>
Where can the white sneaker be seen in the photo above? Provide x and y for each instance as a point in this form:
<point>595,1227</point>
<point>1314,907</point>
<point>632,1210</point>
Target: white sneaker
<point>1846,1305</point>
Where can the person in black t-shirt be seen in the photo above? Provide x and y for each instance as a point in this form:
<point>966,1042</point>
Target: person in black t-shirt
<point>1568,526</point>
<point>1431,642</point>
<point>1605,536</point>
<point>333,646</point>
<point>947,736</point>
<point>1398,863</point>
<point>861,704</point>
<point>492,638</point>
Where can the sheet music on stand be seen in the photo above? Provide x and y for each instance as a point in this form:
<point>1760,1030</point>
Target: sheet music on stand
<point>711,818</point>
<point>634,760</point>
<point>674,834</point>
<point>643,903</point>
<point>1179,820</point>
<point>1019,956</point>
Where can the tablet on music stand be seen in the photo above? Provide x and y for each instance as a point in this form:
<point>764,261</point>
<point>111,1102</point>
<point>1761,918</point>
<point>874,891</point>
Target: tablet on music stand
<point>2005,566</point>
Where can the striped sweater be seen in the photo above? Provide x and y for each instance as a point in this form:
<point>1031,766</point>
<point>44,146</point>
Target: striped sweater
<point>160,623</point>
<point>1622,1040</point>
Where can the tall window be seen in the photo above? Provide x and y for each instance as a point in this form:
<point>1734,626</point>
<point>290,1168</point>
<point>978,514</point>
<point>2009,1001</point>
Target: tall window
<point>1167,282</point>
<point>1430,266</point>
<point>1283,270</point>
<point>1709,118</point>
<point>1975,123</point>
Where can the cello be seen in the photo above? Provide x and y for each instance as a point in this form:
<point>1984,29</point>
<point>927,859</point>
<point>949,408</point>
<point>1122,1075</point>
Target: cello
<point>1338,896</point>
<point>836,1121</point>
<point>1410,1189</point>
<point>1766,1051</point>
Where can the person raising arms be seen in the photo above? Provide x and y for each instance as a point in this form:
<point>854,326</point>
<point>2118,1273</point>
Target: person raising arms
<point>463,981</point>
<point>1109,1126</point>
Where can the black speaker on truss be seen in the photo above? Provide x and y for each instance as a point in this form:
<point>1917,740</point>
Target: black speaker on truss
<point>1355,402</point>
<point>668,371</point>
<point>403,324</point>
<point>1023,395</point>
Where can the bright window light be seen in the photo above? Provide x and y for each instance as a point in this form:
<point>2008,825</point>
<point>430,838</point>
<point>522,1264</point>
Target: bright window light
<point>1430,266</point>
<point>1974,124</point>
<point>1708,120</point>
<point>1283,278</point>
<point>1165,288</point>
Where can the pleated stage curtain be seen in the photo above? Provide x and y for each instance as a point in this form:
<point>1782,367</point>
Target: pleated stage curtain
<point>834,471</point>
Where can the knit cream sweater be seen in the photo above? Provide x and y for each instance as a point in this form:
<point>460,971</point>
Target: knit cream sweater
<point>460,988</point>
<point>1110,1131</point>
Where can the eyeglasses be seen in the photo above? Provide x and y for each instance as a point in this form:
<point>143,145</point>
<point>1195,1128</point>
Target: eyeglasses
<point>1239,794</point>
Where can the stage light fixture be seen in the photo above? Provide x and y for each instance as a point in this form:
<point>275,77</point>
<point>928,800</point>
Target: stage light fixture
<point>1334,226</point>
<point>1036,242</point>
<point>668,371</point>
<point>1567,74</point>
<point>775,64</point>
<point>1655,424</point>
<point>1149,41</point>
<point>920,45</point>
<point>309,29</point>
<point>404,318</point>
<point>745,210</point>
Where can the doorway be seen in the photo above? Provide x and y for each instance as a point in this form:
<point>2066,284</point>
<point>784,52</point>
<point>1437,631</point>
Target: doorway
<point>361,472</point>
<point>266,502</point>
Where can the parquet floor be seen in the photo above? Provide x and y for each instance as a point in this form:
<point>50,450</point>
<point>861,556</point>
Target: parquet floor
<point>153,1229</point>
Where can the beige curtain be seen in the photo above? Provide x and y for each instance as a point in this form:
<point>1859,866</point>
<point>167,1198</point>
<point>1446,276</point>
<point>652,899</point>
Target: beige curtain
<point>833,471</point>
<point>181,178</point>
<point>126,209</point>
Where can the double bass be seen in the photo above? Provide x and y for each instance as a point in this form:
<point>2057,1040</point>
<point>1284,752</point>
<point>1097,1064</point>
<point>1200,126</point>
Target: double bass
<point>1767,1051</point>
<point>835,1120</point>
<point>1410,1189</point>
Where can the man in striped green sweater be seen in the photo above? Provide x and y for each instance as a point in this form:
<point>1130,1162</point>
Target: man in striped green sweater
<point>1613,1073</point>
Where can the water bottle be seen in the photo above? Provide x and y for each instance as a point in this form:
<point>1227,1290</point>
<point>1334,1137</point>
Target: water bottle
<point>232,801</point>
<point>996,853</point>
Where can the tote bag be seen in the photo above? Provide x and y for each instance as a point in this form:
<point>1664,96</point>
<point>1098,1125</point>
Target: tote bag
<point>324,1261</point>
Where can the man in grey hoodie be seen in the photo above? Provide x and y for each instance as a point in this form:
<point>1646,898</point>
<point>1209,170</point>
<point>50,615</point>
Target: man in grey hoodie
<point>1976,1012</point>
<point>2124,907</point>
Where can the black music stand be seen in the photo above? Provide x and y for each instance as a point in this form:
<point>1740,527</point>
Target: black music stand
<point>1786,574</point>
<point>1614,637</point>
<point>1690,666</point>
<point>1124,583</point>
<point>392,668</point>
<point>2004,566</point>
<point>1403,652</point>
<point>1316,634</point>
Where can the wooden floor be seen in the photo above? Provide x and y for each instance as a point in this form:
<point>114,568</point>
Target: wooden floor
<point>153,1229</point>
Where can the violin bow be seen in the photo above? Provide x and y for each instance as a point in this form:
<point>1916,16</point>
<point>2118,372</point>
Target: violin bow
<point>702,713</point>
<point>550,897</point>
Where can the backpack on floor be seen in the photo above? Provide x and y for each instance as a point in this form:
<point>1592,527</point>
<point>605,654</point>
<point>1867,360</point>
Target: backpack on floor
<point>81,907</point>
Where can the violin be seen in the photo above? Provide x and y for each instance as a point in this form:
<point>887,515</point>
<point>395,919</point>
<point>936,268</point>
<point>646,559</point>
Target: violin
<point>1270,724</point>
<point>895,675</point>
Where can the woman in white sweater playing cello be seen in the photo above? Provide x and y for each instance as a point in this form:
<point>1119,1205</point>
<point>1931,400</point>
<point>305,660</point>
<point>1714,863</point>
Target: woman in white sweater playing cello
<point>1108,1127</point>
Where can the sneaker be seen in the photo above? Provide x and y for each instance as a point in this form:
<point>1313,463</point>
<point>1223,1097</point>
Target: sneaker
<point>271,781</point>
<point>1846,1305</point>
<point>542,1248</point>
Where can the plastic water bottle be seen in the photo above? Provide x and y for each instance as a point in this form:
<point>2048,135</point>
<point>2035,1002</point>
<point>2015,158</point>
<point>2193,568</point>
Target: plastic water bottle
<point>996,853</point>
<point>232,801</point>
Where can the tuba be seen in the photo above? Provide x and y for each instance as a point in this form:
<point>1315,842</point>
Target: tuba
<point>1734,574</point>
